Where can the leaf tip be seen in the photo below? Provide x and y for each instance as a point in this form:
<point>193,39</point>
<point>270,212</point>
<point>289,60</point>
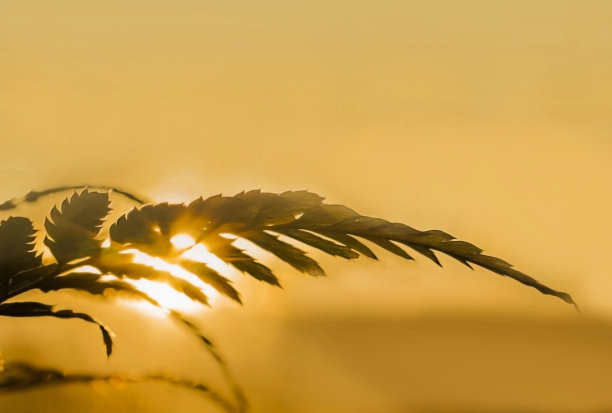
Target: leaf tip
<point>107,336</point>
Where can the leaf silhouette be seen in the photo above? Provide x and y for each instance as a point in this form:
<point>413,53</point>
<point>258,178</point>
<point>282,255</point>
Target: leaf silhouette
<point>285,251</point>
<point>35,309</point>
<point>261,217</point>
<point>212,278</point>
<point>17,249</point>
<point>92,283</point>
<point>71,230</point>
<point>331,248</point>
<point>28,279</point>
<point>338,221</point>
<point>122,266</point>
<point>223,248</point>
<point>280,224</point>
<point>150,228</point>
<point>344,239</point>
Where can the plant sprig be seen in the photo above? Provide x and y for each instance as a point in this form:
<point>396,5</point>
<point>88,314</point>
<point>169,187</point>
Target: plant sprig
<point>270,221</point>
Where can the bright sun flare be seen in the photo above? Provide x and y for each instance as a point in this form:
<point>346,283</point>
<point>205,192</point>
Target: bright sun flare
<point>182,241</point>
<point>165,295</point>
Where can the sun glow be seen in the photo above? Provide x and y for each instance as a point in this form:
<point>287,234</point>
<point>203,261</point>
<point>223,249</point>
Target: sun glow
<point>200,253</point>
<point>167,296</point>
<point>164,294</point>
<point>182,241</point>
<point>87,269</point>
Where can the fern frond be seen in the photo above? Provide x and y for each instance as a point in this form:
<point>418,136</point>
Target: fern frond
<point>339,220</point>
<point>269,221</point>
<point>334,229</point>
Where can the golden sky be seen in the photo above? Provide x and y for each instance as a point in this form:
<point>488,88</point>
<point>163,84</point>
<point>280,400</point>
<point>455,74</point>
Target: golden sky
<point>489,120</point>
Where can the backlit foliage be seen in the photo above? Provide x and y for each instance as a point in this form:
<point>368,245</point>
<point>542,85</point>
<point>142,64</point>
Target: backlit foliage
<point>269,221</point>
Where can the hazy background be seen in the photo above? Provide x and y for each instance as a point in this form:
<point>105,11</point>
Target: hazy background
<point>489,120</point>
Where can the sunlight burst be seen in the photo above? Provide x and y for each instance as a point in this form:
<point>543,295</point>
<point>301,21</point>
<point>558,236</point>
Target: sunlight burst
<point>165,295</point>
<point>200,253</point>
<point>182,241</point>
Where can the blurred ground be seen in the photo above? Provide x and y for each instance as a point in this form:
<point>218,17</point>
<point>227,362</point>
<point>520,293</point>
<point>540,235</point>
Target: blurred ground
<point>473,363</point>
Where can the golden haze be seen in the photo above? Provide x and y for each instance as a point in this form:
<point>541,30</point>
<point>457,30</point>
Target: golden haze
<point>490,120</point>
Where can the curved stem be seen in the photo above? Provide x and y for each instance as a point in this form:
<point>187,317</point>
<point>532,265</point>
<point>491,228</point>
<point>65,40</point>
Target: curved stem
<point>33,196</point>
<point>212,350</point>
<point>22,376</point>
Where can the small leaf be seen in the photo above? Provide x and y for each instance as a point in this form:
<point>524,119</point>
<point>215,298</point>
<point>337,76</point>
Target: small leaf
<point>252,209</point>
<point>150,228</point>
<point>274,209</point>
<point>17,248</point>
<point>388,245</point>
<point>286,252</point>
<point>212,278</point>
<point>324,245</point>
<point>350,242</point>
<point>223,214</point>
<point>223,248</point>
<point>71,229</point>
